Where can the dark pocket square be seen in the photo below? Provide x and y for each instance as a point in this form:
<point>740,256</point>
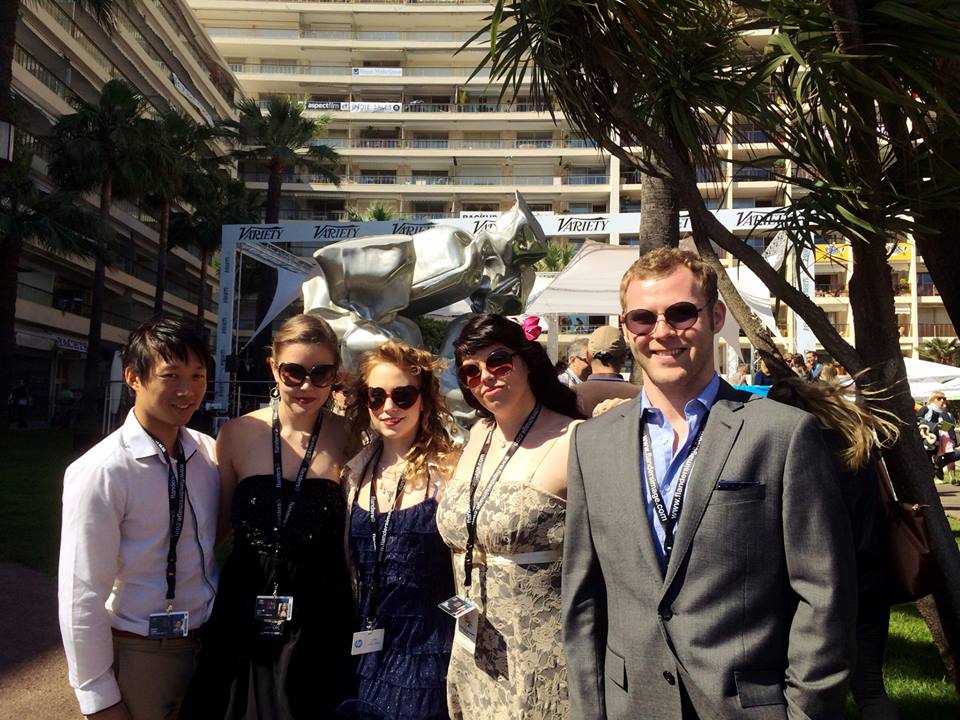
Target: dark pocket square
<point>737,484</point>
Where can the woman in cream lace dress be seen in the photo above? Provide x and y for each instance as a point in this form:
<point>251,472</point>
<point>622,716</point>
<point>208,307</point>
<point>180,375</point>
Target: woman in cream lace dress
<point>507,659</point>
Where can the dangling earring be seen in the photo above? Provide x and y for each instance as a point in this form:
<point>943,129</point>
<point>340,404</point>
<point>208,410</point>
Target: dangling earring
<point>275,391</point>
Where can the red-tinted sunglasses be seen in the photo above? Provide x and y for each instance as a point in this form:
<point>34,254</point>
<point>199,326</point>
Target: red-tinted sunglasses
<point>679,316</point>
<point>498,363</point>
<point>404,397</point>
<point>293,374</point>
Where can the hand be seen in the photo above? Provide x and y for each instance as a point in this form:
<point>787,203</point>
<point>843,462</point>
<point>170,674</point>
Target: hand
<point>607,405</point>
<point>114,712</point>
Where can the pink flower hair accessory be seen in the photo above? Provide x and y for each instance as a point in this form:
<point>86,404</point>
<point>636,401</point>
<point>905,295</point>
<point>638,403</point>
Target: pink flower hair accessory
<point>531,327</point>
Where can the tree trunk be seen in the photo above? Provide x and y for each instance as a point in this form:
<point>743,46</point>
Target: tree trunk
<point>9,10</point>
<point>659,214</point>
<point>9,261</point>
<point>201,298</point>
<point>659,227</point>
<point>162,248</point>
<point>88,419</point>
<point>758,335</point>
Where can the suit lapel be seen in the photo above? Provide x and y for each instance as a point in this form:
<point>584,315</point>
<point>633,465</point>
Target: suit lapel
<point>631,489</point>
<point>723,425</point>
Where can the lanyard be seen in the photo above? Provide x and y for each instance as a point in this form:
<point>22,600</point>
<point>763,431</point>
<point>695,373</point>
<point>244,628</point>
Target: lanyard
<point>379,543</point>
<point>284,517</point>
<point>668,520</point>
<point>176,498</point>
<point>473,510</point>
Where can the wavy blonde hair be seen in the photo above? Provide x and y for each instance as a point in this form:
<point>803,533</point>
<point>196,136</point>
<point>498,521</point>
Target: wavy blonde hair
<point>859,429</point>
<point>432,444</point>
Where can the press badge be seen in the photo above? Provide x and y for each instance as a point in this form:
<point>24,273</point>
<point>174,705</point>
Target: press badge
<point>167,625</point>
<point>457,606</point>
<point>272,612</point>
<point>367,641</point>
<point>467,626</point>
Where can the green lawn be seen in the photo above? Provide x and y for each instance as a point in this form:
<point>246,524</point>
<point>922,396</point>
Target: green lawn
<point>33,462</point>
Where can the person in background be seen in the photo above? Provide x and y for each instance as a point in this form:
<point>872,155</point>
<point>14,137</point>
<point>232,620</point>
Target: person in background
<point>402,564</point>
<point>829,373</point>
<point>854,437</point>
<point>578,366</point>
<point>741,375</point>
<point>798,365</point>
<point>813,365</point>
<point>607,353</point>
<point>20,402</point>
<point>137,575</point>
<point>762,376</point>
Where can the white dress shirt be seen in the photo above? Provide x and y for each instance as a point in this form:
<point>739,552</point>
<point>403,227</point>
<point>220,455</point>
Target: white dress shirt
<point>113,549</point>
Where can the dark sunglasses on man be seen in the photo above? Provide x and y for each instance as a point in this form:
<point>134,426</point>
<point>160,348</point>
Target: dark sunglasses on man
<point>404,397</point>
<point>498,363</point>
<point>679,316</point>
<point>293,374</point>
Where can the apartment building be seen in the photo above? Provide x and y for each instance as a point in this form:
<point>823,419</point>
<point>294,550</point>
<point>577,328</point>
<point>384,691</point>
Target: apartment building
<point>423,135</point>
<point>62,54</point>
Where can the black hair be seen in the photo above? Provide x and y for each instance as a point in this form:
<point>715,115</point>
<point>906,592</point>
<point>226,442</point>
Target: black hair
<point>167,339</point>
<point>486,329</point>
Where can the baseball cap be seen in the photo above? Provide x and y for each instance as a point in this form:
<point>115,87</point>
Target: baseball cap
<point>607,340</point>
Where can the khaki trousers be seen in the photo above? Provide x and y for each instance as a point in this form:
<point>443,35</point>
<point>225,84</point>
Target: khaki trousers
<point>154,674</point>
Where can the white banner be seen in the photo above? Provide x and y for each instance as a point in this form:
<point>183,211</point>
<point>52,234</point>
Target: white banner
<point>377,72</point>
<point>324,105</point>
<point>373,107</point>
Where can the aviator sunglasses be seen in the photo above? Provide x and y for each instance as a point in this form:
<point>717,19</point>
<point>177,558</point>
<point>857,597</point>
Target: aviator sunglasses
<point>293,374</point>
<point>498,363</point>
<point>403,397</point>
<point>679,316</point>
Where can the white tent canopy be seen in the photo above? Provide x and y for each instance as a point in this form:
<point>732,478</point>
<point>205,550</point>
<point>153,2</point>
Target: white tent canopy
<point>927,377</point>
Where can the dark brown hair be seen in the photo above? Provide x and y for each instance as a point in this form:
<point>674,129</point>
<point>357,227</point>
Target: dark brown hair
<point>488,329</point>
<point>167,339</point>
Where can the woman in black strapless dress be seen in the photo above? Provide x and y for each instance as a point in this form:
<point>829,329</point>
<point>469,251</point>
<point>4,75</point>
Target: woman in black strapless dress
<point>265,656</point>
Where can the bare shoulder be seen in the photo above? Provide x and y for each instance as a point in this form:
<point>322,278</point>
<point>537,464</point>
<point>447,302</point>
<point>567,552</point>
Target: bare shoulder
<point>240,429</point>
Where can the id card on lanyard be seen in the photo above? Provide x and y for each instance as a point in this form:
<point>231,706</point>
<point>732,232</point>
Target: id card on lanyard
<point>171,623</point>
<point>273,611</point>
<point>371,638</point>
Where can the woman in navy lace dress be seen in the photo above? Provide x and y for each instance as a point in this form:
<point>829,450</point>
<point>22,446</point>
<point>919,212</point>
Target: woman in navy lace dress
<point>277,645</point>
<point>402,566</point>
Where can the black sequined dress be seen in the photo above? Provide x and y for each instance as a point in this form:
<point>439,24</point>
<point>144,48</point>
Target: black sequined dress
<point>306,671</point>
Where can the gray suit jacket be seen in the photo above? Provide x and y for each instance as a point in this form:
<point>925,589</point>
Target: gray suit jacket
<point>756,612</point>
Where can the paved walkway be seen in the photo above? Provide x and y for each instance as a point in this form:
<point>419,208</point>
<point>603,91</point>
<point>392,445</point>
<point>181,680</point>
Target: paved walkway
<point>950,497</point>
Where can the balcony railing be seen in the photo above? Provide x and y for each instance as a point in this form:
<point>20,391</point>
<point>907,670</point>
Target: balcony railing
<point>67,23</point>
<point>76,304</point>
<point>347,70</point>
<point>927,290</point>
<point>25,142</point>
<point>753,173</point>
<point>743,136</point>
<point>830,290</point>
<point>318,215</point>
<point>386,35</point>
<point>29,63</point>
<point>435,180</point>
<point>944,330</point>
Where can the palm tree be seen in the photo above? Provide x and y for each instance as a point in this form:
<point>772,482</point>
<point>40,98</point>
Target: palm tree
<point>559,255</point>
<point>52,220</point>
<point>942,351</point>
<point>175,155</point>
<point>219,200</point>
<point>282,140</point>
<point>102,10</point>
<point>374,213</point>
<point>100,145</point>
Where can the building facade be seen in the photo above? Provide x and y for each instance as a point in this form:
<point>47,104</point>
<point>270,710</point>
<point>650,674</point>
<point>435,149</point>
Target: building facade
<point>62,54</point>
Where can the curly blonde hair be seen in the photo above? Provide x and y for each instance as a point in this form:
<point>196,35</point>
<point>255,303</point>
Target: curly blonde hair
<point>432,444</point>
<point>859,429</point>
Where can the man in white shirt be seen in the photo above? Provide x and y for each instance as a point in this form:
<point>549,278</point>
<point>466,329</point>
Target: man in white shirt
<point>137,575</point>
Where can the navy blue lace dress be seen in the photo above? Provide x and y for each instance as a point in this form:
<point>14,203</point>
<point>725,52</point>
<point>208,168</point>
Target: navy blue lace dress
<point>407,678</point>
<point>305,672</point>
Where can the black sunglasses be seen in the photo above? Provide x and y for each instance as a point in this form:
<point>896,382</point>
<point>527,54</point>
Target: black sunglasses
<point>293,374</point>
<point>679,316</point>
<point>403,397</point>
<point>498,364</point>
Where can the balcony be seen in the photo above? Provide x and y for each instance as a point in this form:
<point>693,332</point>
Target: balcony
<point>938,330</point>
<point>33,66</point>
<point>315,215</point>
<point>748,136</point>
<point>830,290</point>
<point>356,72</point>
<point>412,180</point>
<point>927,290</point>
<point>748,173</point>
<point>364,35</point>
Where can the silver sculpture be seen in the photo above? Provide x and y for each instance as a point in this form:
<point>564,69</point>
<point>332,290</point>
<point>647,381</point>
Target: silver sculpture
<point>371,287</point>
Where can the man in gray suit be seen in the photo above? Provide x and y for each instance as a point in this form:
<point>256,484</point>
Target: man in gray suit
<point>708,567</point>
